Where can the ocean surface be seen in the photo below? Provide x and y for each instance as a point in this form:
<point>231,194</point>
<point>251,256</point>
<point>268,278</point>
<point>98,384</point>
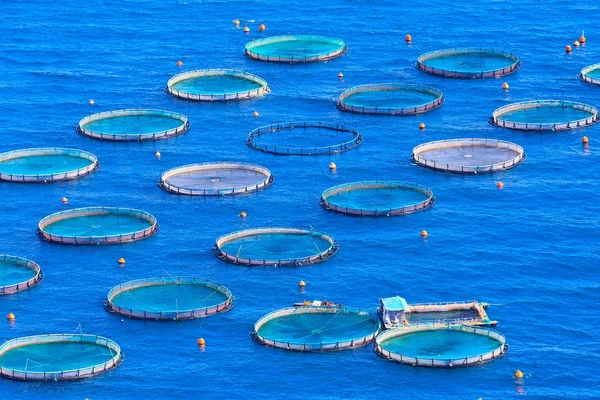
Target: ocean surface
<point>530,250</point>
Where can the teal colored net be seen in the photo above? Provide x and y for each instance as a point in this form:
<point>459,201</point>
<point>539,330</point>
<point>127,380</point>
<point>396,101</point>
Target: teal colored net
<point>295,48</point>
<point>216,85</point>
<point>133,124</point>
<point>98,225</point>
<point>43,164</point>
<point>276,246</point>
<point>546,114</point>
<point>391,99</point>
<point>469,63</point>
<point>12,272</point>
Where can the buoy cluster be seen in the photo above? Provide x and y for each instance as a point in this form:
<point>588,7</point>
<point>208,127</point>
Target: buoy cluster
<point>576,43</point>
<point>261,27</point>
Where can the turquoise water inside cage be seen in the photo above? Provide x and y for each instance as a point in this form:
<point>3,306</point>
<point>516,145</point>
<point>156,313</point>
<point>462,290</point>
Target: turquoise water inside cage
<point>43,164</point>
<point>55,357</point>
<point>469,155</point>
<point>97,225</point>
<point>216,85</point>
<point>12,273</point>
<point>377,199</point>
<point>316,328</point>
<point>594,74</point>
<point>297,48</point>
<point>389,99</point>
<point>300,137</point>
<point>216,178</point>
<point>473,62</point>
<point>545,114</point>
<point>133,124</point>
<point>441,344</point>
<point>170,297</point>
<point>275,246</point>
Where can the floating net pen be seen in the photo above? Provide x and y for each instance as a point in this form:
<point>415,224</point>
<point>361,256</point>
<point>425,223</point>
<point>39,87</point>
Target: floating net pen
<point>97,225</point>
<point>133,125</point>
<point>468,156</point>
<point>58,357</point>
<point>390,99</point>
<point>377,198</point>
<point>278,247</point>
<point>169,298</point>
<point>43,165</point>
<point>591,74</point>
<point>17,274</point>
<point>304,138</point>
<point>469,63</point>
<point>441,345</point>
<point>216,85</point>
<point>315,328</point>
<point>295,49</point>
<point>216,179</point>
<point>545,115</point>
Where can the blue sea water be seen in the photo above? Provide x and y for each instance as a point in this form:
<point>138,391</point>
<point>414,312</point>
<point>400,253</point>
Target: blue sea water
<point>531,249</point>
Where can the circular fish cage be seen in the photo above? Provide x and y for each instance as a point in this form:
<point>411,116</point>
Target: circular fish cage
<point>97,225</point>
<point>441,345</point>
<point>58,357</point>
<point>46,164</point>
<point>390,99</point>
<point>313,328</point>
<point>591,74</point>
<point>133,125</point>
<point>216,85</point>
<point>377,198</point>
<point>169,299</point>
<point>216,179</point>
<point>303,139</point>
<point>278,247</point>
<point>469,63</point>
<point>17,274</point>
<point>545,115</point>
<point>295,49</point>
<point>468,156</point>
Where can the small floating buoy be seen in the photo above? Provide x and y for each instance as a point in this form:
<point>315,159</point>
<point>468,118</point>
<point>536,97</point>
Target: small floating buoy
<point>10,317</point>
<point>91,102</point>
<point>582,37</point>
<point>518,374</point>
<point>122,320</point>
<point>201,342</point>
<point>243,214</point>
<point>179,63</point>
<point>576,43</point>
<point>246,29</point>
<point>301,283</point>
<point>499,185</point>
<point>568,49</point>
<point>421,126</point>
<point>340,75</point>
<point>424,233</point>
<point>157,154</point>
<point>585,140</point>
<point>236,21</point>
<point>505,86</point>
<point>65,200</point>
<point>332,165</point>
<point>121,261</point>
<point>408,38</point>
<point>262,27</point>
<point>256,114</point>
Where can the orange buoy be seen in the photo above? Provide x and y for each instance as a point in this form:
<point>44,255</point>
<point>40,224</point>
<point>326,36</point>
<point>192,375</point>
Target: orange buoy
<point>408,38</point>
<point>505,86</point>
<point>201,342</point>
<point>121,261</point>
<point>332,165</point>
<point>585,140</point>
<point>424,233</point>
<point>246,29</point>
<point>582,38</point>
<point>301,283</point>
<point>65,200</point>
<point>421,126</point>
<point>157,154</point>
<point>256,114</point>
<point>576,43</point>
<point>568,49</point>
<point>236,21</point>
<point>518,374</point>
<point>262,27</point>
<point>243,214</point>
<point>179,63</point>
<point>340,75</point>
<point>10,317</point>
<point>499,185</point>
<point>91,102</point>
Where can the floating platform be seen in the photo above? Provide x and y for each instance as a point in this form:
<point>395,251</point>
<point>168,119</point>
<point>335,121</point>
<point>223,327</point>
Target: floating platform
<point>216,85</point>
<point>133,125</point>
<point>278,247</point>
<point>216,179</point>
<point>60,357</point>
<point>591,74</point>
<point>377,198</point>
<point>169,299</point>
<point>441,345</point>
<point>316,328</point>
<point>545,115</point>
<point>46,164</point>
<point>390,99</point>
<point>469,63</point>
<point>304,138</point>
<point>468,156</point>
<point>97,225</point>
<point>295,49</point>
<point>18,274</point>
<point>395,312</point>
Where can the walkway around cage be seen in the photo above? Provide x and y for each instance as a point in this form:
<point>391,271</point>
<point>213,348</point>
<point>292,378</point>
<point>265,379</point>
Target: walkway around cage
<point>253,139</point>
<point>318,257</point>
<point>95,211</point>
<point>494,73</point>
<point>168,316</point>
<point>250,49</point>
<point>29,283</point>
<point>321,347</point>
<point>325,200</point>
<point>437,102</point>
<point>66,375</point>
<point>419,159</point>
<point>241,95</point>
<point>586,72</point>
<point>50,177</point>
<point>131,137</point>
<point>496,118</point>
<point>438,362</point>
